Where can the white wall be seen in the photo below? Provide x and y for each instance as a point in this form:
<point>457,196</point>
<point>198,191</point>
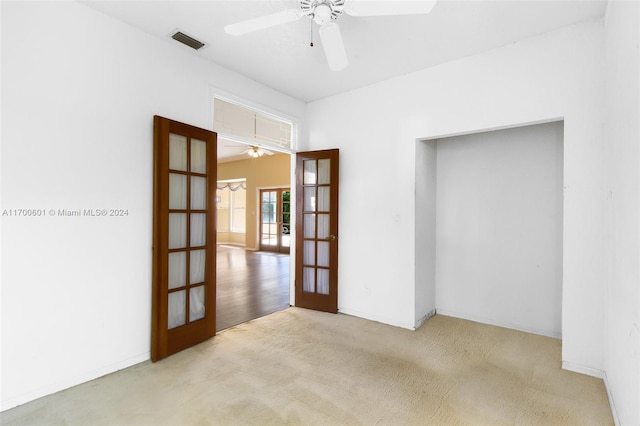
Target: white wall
<point>556,75</point>
<point>499,227</point>
<point>78,94</point>
<point>79,91</point>
<point>622,135</point>
<point>426,166</point>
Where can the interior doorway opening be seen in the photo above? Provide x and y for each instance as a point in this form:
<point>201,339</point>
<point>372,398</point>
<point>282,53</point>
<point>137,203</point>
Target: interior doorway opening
<point>254,235</point>
<point>253,267</point>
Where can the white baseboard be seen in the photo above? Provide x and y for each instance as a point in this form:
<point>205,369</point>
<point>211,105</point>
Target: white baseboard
<point>577,368</point>
<point>32,395</point>
<point>376,318</point>
<point>614,411</point>
<point>489,321</point>
<point>232,245</point>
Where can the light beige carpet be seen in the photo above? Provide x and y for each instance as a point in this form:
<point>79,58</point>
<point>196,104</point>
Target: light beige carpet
<point>304,367</point>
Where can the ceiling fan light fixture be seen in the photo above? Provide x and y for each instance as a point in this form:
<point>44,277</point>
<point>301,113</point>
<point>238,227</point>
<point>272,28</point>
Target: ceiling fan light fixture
<point>255,152</point>
<point>322,14</point>
<point>322,11</point>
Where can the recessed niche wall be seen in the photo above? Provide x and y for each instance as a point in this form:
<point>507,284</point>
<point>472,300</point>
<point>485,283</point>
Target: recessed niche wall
<point>489,231</point>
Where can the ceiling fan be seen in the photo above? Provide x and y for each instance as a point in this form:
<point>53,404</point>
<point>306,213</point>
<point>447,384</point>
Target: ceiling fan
<point>256,151</point>
<point>253,151</point>
<point>325,13</point>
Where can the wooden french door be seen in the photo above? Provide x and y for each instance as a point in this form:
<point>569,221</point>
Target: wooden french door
<point>317,230</point>
<point>184,237</point>
<point>275,220</point>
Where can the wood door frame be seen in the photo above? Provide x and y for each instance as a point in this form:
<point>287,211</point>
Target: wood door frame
<point>321,302</point>
<point>165,342</point>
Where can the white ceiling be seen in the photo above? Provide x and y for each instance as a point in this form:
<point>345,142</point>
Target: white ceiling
<point>378,47</point>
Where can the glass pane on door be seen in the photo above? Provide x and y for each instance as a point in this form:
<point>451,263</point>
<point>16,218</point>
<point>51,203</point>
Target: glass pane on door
<point>198,156</point>
<point>269,223</point>
<point>324,171</point>
<point>196,303</point>
<point>197,259</point>
<point>310,172</point>
<point>177,309</point>
<point>177,230</point>
<point>323,198</point>
<point>177,191</point>
<point>177,269</point>
<point>323,226</point>
<point>309,199</point>
<point>198,193</point>
<point>187,230</point>
<point>198,229</point>
<point>177,152</point>
<point>285,220</point>
<point>309,226</point>
<point>309,280</point>
<point>323,281</point>
<point>323,253</point>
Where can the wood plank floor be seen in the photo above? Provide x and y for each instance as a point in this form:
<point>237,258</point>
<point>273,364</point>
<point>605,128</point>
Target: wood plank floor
<point>249,285</point>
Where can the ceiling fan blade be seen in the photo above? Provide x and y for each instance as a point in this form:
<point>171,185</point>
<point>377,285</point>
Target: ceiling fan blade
<point>333,46</point>
<point>383,8</point>
<point>263,22</point>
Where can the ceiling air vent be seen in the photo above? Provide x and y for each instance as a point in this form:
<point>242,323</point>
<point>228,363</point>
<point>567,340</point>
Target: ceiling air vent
<point>189,41</point>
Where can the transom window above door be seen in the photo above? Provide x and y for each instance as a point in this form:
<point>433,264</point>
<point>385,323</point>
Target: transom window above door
<point>251,126</point>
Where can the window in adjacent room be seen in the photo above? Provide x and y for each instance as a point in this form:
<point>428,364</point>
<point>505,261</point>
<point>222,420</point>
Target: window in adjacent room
<point>231,197</point>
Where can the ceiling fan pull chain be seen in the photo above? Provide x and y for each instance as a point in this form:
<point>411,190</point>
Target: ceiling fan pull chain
<point>311,33</point>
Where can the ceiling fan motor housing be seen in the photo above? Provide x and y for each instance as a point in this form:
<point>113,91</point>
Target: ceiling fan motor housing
<point>322,11</point>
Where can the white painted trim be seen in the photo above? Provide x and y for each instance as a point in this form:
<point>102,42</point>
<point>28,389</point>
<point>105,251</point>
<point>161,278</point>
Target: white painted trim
<point>376,318</point>
<point>492,129</point>
<point>231,244</point>
<point>292,231</point>
<point>221,94</point>
<point>577,368</point>
<point>73,381</point>
<point>488,321</point>
<point>250,142</point>
<point>612,404</point>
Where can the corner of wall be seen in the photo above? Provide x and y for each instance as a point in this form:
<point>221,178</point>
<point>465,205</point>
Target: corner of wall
<point>425,318</point>
<point>577,368</point>
<point>614,411</point>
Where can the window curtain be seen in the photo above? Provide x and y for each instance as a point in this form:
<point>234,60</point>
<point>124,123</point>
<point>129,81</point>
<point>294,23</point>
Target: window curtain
<point>233,186</point>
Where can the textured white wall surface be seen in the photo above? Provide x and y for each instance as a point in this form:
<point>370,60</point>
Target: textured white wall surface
<point>557,75</point>
<point>499,227</point>
<point>79,92</point>
<point>622,156</point>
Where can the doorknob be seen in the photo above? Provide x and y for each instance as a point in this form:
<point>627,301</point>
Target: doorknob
<point>332,238</point>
